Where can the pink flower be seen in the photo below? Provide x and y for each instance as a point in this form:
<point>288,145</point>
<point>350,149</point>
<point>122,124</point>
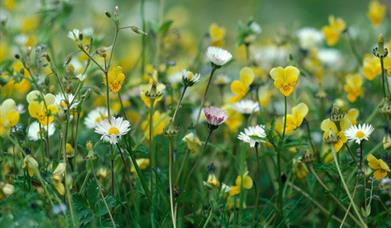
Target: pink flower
<point>215,116</point>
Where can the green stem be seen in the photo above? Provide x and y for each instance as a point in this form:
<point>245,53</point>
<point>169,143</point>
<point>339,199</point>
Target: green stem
<point>179,104</point>
<point>347,189</point>
<point>170,167</point>
<point>214,68</point>
<point>153,164</point>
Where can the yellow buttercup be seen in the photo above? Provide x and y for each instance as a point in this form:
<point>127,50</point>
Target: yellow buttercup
<point>241,87</point>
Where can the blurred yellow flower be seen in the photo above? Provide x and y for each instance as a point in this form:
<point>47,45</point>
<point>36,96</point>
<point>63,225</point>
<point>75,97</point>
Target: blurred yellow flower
<point>353,86</point>
<point>57,176</point>
<point>30,23</point>
<point>242,86</point>
<point>115,78</point>
<point>376,12</point>
<point>235,119</point>
<point>247,184</point>
<point>9,4</point>
<point>160,122</point>
<point>30,164</point>
<point>387,64</point>
<point>213,181</point>
<point>42,108</point>
<point>371,67</point>
<point>4,51</point>
<point>9,116</point>
<point>332,31</point>
<point>193,143</point>
<point>379,166</point>
<point>285,79</point>
<point>217,35</point>
<point>142,164</point>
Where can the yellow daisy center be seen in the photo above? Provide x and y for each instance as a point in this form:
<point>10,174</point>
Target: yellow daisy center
<point>113,131</point>
<point>360,134</point>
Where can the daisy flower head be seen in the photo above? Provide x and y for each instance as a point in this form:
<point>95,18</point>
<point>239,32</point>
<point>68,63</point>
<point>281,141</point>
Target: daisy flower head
<point>215,116</point>
<point>246,106</point>
<point>95,116</point>
<point>253,135</point>
<point>189,78</point>
<point>218,56</point>
<point>112,130</point>
<point>358,133</point>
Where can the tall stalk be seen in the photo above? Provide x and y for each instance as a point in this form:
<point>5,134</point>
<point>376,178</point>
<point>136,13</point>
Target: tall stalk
<point>214,68</point>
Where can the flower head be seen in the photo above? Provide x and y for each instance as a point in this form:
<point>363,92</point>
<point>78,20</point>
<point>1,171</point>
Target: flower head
<point>246,106</point>
<point>95,116</point>
<point>358,133</point>
<point>189,78</point>
<point>215,116</point>
<point>376,12</point>
<point>217,35</point>
<point>116,78</point>
<point>193,143</point>
<point>35,132</point>
<point>42,107</point>
<point>285,79</point>
<point>112,130</point>
<point>332,32</point>
<point>379,166</point>
<point>253,135</point>
<point>241,87</point>
<point>218,56</point>
<point>9,115</point>
<point>353,86</point>
<point>309,37</point>
<point>371,67</point>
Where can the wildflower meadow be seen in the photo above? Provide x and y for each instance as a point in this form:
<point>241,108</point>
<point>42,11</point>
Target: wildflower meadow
<point>167,113</point>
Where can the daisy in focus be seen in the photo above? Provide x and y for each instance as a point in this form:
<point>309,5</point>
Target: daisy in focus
<point>112,130</point>
<point>253,135</point>
<point>358,133</point>
<point>218,56</point>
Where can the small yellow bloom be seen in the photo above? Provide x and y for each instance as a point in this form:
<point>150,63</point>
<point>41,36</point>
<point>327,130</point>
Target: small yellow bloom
<point>294,120</point>
<point>332,31</point>
<point>217,35</point>
<point>352,86</point>
<point>57,175</point>
<point>30,164</point>
<point>193,143</point>
<point>30,24</point>
<point>379,166</point>
<point>42,109</point>
<point>115,78</point>
<point>285,79</point>
<point>160,122</point>
<point>235,119</point>
<point>371,67</point>
<point>142,164</point>
<point>376,12</point>
<point>9,116</point>
<point>213,181</point>
<point>247,184</point>
<point>242,86</point>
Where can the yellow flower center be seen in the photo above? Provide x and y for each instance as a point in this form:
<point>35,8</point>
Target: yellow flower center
<point>113,131</point>
<point>360,134</point>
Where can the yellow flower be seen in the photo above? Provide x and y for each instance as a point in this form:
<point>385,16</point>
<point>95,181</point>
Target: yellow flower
<point>379,166</point>
<point>247,184</point>
<point>285,79</point>
<point>235,119</point>
<point>9,4</point>
<point>30,24</point>
<point>57,175</point>
<point>335,135</point>
<point>115,78</point>
<point>376,12</point>
<point>387,64</point>
<point>294,120</point>
<point>42,109</point>
<point>193,143</point>
<point>299,168</point>
<point>352,86</point>
<point>9,116</point>
<point>332,32</point>
<point>142,164</point>
<point>30,164</point>
<point>213,181</point>
<point>265,97</point>
<point>160,122</point>
<point>217,35</point>
<point>242,86</point>
<point>4,51</point>
<point>371,67</point>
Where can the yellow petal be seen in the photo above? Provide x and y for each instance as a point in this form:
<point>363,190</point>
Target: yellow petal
<point>373,162</point>
<point>247,76</point>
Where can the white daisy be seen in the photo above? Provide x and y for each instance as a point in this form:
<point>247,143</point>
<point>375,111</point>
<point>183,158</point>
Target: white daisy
<point>63,102</point>
<point>189,78</point>
<point>253,135</point>
<point>331,57</point>
<point>113,130</point>
<point>358,133</point>
<point>309,37</point>
<point>246,106</point>
<point>95,117</point>
<point>34,132</point>
<point>218,56</point>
